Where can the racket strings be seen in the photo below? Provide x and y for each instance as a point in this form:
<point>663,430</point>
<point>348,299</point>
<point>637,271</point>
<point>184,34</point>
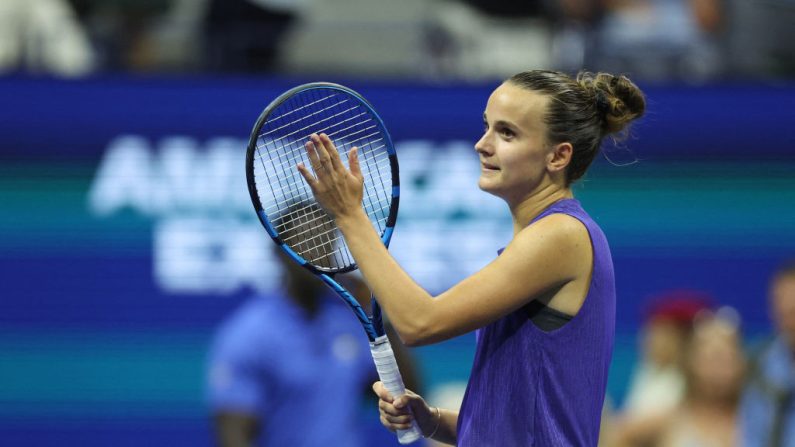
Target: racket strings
<point>317,214</point>
<point>291,123</point>
<point>371,204</point>
<point>370,209</point>
<point>315,124</point>
<point>298,109</point>
<point>286,163</point>
<point>367,193</point>
<point>337,132</point>
<point>287,200</point>
<point>382,196</point>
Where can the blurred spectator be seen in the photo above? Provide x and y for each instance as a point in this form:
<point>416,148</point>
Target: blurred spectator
<point>662,39</point>
<point>768,407</point>
<point>657,40</point>
<point>123,31</point>
<point>246,35</point>
<point>659,381</point>
<point>43,36</point>
<point>575,37</point>
<point>658,384</point>
<point>761,41</point>
<point>294,369</point>
<point>714,368</point>
<point>483,39</point>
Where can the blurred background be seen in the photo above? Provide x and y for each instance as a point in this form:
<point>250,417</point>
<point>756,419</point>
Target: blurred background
<point>127,234</point>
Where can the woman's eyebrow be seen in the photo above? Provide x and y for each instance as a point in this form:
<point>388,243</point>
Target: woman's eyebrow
<point>507,124</point>
<point>502,122</point>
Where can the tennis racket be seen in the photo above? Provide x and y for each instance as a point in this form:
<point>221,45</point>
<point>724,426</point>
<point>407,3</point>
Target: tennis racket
<point>296,222</point>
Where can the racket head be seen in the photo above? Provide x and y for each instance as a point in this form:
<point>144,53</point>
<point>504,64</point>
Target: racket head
<point>284,202</point>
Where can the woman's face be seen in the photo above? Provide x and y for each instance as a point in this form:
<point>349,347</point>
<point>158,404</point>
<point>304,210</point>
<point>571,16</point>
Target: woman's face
<point>663,343</point>
<point>513,150</point>
<point>716,362</point>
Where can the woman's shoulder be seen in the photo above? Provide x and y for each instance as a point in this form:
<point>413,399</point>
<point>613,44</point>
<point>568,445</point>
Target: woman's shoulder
<point>557,239</point>
<point>561,227</point>
<point>576,219</point>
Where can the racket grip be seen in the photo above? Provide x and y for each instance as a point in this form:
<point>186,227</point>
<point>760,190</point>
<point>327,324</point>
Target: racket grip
<point>389,374</point>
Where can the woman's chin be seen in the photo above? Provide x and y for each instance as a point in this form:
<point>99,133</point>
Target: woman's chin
<point>483,185</point>
<point>486,186</point>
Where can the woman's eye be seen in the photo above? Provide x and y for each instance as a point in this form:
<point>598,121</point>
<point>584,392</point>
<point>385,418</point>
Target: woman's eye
<point>508,133</point>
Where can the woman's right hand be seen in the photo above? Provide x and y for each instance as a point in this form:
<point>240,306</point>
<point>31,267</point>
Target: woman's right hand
<point>397,414</point>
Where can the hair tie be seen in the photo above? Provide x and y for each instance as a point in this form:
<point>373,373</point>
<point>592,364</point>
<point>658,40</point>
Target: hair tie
<point>602,103</point>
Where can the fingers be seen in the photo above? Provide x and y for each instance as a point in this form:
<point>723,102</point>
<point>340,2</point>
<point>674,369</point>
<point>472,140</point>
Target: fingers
<point>308,177</point>
<point>353,161</point>
<point>313,148</point>
<point>394,413</point>
<point>393,418</point>
<point>323,153</point>
<point>331,151</point>
<point>325,159</point>
<point>394,408</point>
<point>386,422</point>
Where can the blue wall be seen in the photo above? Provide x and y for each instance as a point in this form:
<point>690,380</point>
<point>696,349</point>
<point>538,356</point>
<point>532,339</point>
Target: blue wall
<point>105,310</point>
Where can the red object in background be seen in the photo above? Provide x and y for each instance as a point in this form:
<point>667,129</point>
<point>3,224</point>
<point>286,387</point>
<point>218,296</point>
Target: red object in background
<point>678,306</point>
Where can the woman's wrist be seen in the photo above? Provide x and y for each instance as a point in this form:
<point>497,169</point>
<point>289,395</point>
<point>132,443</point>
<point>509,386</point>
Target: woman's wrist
<point>350,220</point>
<point>438,423</point>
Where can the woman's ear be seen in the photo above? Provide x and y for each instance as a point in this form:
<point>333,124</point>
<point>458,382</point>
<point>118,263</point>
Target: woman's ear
<point>559,157</point>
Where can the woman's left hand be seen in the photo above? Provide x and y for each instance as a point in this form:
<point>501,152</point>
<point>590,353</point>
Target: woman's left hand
<point>338,190</point>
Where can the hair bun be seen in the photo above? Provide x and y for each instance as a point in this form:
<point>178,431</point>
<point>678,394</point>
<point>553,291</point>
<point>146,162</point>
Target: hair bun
<point>602,103</point>
<point>617,99</point>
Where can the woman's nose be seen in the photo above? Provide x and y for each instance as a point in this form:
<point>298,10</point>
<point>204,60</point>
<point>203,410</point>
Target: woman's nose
<point>482,145</point>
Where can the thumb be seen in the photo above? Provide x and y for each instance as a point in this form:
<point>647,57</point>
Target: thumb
<point>409,400</point>
<point>380,390</point>
<point>401,402</point>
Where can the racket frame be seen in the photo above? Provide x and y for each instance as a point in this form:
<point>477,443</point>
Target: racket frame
<point>373,325</point>
<point>380,348</point>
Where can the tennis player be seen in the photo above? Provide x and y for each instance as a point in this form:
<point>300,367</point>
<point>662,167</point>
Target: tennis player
<point>545,307</point>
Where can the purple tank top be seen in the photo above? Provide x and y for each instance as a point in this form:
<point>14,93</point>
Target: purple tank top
<point>534,388</point>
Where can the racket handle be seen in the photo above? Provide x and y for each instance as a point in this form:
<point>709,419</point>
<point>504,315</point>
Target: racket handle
<point>389,374</point>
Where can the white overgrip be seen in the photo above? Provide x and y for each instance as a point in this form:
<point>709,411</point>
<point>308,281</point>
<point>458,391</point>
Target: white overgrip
<point>389,374</point>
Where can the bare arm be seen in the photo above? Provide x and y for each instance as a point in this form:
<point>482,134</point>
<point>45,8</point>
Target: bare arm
<point>550,253</point>
<point>538,259</point>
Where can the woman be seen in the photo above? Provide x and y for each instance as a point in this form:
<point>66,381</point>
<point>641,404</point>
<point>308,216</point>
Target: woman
<point>545,306</point>
<point>715,369</point>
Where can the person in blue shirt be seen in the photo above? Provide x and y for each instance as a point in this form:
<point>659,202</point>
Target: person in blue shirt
<point>767,409</point>
<point>291,369</point>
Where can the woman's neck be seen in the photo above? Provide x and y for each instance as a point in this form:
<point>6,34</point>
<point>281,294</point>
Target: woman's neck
<point>526,210</point>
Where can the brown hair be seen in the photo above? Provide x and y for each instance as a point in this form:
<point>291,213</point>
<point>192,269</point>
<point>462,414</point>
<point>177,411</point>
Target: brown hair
<point>584,110</point>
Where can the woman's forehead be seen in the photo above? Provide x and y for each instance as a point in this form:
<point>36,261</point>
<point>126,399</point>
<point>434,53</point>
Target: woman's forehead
<point>516,104</point>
